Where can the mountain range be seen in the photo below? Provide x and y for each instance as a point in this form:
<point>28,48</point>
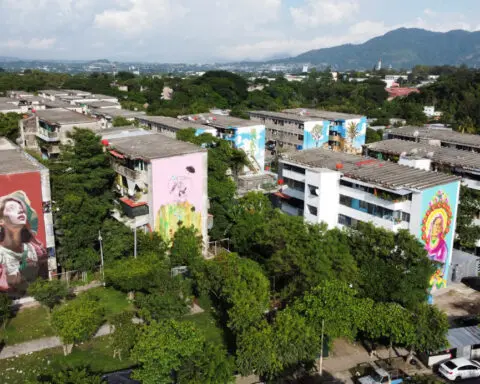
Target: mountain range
<point>400,48</point>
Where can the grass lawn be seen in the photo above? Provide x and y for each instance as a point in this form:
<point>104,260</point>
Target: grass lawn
<point>29,324</point>
<point>207,322</point>
<point>113,301</point>
<point>33,323</point>
<point>95,354</point>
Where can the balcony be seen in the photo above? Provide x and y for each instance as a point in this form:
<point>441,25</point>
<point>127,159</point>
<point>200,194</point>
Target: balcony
<point>387,222</point>
<point>358,194</point>
<point>291,210</point>
<point>293,175</point>
<point>129,173</point>
<point>50,136</point>
<point>293,192</point>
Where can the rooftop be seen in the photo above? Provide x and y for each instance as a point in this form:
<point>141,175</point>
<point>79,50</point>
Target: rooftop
<point>172,122</point>
<point>152,146</point>
<point>63,116</point>
<point>441,155</point>
<point>383,173</point>
<point>219,121</point>
<point>327,115</point>
<point>303,115</point>
<point>101,104</point>
<point>14,160</point>
<point>444,135</point>
<point>120,132</point>
<point>115,112</point>
<point>463,337</point>
<point>55,92</point>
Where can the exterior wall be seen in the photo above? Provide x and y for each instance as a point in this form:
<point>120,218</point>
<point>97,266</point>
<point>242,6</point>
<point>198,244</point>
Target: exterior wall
<point>211,131</point>
<point>252,141</point>
<point>65,128</point>
<point>323,196</point>
<point>31,191</point>
<point>438,212</point>
<point>354,132</point>
<point>316,134</point>
<point>179,193</point>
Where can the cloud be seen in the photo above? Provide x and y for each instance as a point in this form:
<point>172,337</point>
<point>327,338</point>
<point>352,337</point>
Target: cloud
<point>323,12</point>
<point>140,16</point>
<point>35,43</point>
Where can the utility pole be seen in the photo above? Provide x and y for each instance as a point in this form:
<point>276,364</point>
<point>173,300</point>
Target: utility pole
<point>135,241</point>
<point>101,256</point>
<point>321,350</point>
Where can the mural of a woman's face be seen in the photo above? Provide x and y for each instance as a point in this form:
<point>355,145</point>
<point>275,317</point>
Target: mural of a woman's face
<point>437,227</point>
<point>14,214</point>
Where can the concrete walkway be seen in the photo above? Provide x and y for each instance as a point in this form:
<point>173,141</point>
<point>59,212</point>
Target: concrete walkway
<point>41,344</point>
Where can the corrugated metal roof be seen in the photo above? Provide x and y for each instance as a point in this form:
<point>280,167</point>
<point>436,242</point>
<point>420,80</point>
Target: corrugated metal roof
<point>373,171</point>
<point>463,337</point>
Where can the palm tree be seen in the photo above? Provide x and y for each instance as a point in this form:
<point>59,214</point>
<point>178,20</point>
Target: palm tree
<point>316,133</point>
<point>353,131</point>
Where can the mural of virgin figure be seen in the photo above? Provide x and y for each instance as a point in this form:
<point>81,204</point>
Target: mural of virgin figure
<point>436,224</point>
<point>21,253</point>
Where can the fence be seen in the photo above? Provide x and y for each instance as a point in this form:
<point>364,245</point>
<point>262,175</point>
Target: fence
<point>78,278</point>
<point>218,246</point>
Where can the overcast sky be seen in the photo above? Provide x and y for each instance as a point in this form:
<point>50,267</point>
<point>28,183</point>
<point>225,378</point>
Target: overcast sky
<point>201,31</point>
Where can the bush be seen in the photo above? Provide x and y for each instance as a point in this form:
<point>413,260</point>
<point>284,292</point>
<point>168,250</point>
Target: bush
<point>48,293</point>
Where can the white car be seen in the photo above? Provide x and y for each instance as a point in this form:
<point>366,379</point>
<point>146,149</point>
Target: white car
<point>460,368</point>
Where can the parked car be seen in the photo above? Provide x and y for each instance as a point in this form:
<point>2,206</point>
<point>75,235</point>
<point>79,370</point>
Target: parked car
<point>381,376</point>
<point>460,368</point>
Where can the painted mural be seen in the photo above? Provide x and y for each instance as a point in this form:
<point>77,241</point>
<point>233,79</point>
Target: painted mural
<point>316,134</point>
<point>355,132</point>
<point>439,209</point>
<point>252,141</point>
<point>23,254</point>
<point>178,201</point>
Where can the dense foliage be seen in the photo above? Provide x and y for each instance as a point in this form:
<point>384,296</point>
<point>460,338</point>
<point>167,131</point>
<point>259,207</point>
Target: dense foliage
<point>9,125</point>
<point>48,292</point>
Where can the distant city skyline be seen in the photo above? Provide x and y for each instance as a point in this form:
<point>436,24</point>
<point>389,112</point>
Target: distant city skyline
<point>209,31</point>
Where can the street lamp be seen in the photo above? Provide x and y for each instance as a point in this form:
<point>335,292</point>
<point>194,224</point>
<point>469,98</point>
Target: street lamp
<point>101,256</point>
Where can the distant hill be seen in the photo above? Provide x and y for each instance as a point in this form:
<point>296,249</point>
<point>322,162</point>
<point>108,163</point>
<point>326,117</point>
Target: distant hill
<point>401,48</point>
<point>7,59</point>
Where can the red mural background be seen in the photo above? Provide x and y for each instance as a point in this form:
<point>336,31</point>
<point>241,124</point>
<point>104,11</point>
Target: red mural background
<point>31,184</point>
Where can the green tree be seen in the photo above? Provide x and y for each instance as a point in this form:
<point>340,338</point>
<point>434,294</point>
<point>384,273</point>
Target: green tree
<point>430,329</point>
<point>186,247</point>
<point>212,365</point>
<point>392,266</point>
<point>373,136</point>
<point>81,185</point>
<point>124,334</point>
<point>468,209</point>
<point>120,121</point>
<point>241,288</point>
<point>69,376</point>
<point>133,274</point>
<point>9,125</point>
<point>77,321</point>
<point>163,348</point>
<point>165,305</point>
<point>117,241</point>
<point>48,292</point>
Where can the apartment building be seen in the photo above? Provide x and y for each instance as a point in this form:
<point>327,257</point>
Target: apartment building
<point>20,105</point>
<point>341,189</point>
<point>44,131</point>
<point>444,137</point>
<point>465,164</point>
<point>299,129</point>
<point>161,183</point>
<point>25,183</point>
<point>169,126</point>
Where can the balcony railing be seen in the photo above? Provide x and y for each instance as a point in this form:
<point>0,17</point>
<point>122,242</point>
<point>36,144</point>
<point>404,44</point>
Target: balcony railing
<point>48,135</point>
<point>127,172</point>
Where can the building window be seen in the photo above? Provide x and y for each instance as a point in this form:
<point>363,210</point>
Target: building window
<point>293,168</point>
<point>313,190</point>
<point>294,184</point>
<point>313,210</point>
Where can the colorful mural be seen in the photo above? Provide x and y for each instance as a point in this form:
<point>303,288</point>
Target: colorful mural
<point>316,134</point>
<point>178,199</point>
<point>439,209</point>
<point>252,141</point>
<point>23,254</point>
<point>355,132</point>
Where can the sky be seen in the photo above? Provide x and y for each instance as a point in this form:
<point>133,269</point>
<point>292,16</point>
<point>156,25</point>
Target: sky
<point>206,31</point>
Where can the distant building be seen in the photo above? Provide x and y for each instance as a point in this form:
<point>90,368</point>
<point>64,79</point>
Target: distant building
<point>341,190</point>
<point>430,112</point>
<point>435,136</point>
<point>396,91</point>
<point>44,131</point>
<point>161,183</point>
<point>106,115</point>
<point>309,128</point>
<point>24,181</point>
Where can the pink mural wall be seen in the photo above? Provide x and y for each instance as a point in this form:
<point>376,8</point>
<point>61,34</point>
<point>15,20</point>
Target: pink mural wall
<point>179,193</point>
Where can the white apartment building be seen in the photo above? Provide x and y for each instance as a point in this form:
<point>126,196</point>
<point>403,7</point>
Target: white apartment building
<point>341,189</point>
